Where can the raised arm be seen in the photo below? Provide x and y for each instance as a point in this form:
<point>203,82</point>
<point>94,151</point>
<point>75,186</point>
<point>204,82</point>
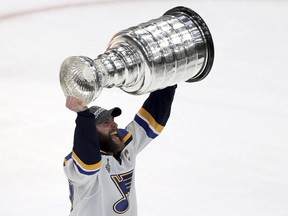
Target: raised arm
<point>152,117</point>
<point>86,151</point>
<point>158,105</point>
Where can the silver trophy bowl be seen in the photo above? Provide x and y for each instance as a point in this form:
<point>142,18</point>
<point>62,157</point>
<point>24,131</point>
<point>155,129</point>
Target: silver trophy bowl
<point>156,54</point>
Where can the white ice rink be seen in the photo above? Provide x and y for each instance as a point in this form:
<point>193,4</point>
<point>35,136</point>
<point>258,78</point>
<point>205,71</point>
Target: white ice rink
<point>224,151</point>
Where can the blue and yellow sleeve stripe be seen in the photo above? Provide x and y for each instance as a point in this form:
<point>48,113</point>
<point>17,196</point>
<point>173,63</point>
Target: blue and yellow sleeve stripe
<point>148,123</point>
<point>86,169</point>
<point>127,137</point>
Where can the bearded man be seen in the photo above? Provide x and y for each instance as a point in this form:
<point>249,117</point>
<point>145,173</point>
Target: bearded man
<point>101,166</point>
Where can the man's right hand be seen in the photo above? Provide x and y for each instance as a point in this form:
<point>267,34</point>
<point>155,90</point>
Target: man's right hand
<point>75,104</point>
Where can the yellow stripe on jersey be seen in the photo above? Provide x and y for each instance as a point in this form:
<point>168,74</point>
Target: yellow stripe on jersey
<point>86,166</point>
<point>145,114</point>
<point>128,135</point>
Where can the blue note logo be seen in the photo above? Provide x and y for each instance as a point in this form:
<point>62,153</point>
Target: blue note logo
<point>123,182</point>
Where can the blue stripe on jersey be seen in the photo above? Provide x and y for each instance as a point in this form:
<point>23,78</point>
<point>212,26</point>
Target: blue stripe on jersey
<point>123,132</point>
<point>68,157</point>
<point>150,133</point>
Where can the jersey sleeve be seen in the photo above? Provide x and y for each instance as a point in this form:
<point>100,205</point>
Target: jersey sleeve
<point>85,158</point>
<point>151,119</point>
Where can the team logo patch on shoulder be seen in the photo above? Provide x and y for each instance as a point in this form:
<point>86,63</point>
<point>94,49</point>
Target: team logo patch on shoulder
<point>123,182</point>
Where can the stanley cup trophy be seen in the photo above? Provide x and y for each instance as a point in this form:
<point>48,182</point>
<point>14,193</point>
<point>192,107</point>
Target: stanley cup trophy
<point>156,54</point>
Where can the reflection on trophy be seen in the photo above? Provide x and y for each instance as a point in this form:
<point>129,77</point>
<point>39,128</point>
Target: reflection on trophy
<point>162,52</point>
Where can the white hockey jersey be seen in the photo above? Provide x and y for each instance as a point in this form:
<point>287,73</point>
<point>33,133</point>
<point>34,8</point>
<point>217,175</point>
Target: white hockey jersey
<point>107,187</point>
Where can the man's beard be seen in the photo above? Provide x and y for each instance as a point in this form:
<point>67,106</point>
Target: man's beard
<point>107,144</point>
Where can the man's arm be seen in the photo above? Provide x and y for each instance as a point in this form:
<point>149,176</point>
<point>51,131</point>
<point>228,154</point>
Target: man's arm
<point>86,150</point>
<point>159,103</point>
<point>152,117</point>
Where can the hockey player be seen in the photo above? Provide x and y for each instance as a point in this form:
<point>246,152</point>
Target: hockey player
<point>101,166</point>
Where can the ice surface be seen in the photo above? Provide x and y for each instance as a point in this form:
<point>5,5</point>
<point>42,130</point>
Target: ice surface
<point>224,149</point>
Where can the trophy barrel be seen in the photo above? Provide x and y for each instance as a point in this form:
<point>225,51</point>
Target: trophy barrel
<point>176,47</point>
